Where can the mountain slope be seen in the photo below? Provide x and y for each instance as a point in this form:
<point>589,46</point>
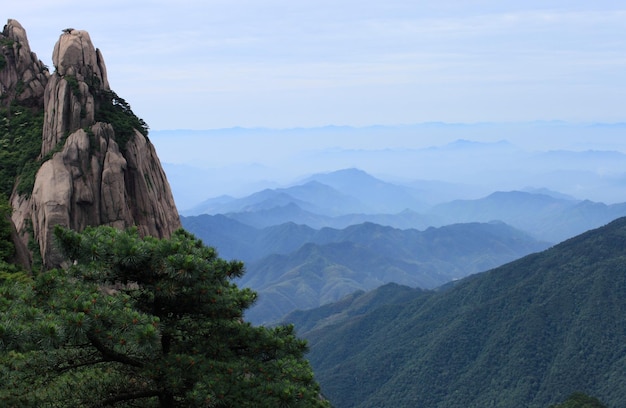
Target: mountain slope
<point>528,333</point>
<point>334,263</point>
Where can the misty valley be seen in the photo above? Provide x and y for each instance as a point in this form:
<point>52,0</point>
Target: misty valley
<point>428,265</point>
<point>343,253</point>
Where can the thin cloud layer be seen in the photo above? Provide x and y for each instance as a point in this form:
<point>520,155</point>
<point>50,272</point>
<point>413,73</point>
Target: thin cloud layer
<point>212,64</point>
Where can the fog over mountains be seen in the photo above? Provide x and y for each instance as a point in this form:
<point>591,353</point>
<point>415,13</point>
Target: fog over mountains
<point>317,214</point>
<point>351,196</point>
<point>442,161</point>
<point>330,221</point>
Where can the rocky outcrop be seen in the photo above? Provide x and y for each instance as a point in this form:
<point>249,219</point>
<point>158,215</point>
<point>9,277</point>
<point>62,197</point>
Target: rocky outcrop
<point>92,182</point>
<point>22,76</point>
<point>90,174</point>
<point>69,100</point>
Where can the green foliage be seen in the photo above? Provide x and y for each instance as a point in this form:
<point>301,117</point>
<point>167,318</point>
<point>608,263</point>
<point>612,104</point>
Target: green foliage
<point>144,322</point>
<point>7,42</point>
<point>116,111</point>
<point>20,145</point>
<point>72,81</point>
<point>7,249</point>
<point>580,400</point>
<point>19,87</point>
<point>4,43</point>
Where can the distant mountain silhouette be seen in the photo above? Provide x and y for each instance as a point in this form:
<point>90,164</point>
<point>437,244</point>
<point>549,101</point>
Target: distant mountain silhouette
<point>349,191</point>
<point>380,196</point>
<point>528,333</point>
<point>236,240</point>
<point>544,216</point>
<point>547,215</point>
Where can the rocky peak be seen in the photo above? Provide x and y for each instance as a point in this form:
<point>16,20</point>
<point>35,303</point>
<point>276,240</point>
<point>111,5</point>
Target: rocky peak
<point>95,169</point>
<point>74,54</point>
<point>69,101</point>
<point>22,76</point>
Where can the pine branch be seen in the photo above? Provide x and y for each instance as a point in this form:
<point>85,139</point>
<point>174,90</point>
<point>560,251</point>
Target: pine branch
<point>128,396</point>
<point>79,365</point>
<point>112,355</point>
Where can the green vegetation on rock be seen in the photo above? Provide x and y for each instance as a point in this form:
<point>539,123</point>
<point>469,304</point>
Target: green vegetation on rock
<point>116,111</point>
<point>20,145</point>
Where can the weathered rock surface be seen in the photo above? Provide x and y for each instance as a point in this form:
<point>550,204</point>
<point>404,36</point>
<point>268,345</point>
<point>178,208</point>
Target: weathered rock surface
<point>90,177</point>
<point>22,76</point>
<point>91,182</point>
<point>69,100</point>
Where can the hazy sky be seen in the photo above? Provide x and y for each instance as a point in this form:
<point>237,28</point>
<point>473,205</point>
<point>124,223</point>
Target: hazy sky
<point>201,64</point>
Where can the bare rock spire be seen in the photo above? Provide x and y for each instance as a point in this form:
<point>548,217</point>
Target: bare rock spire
<point>69,99</point>
<point>95,172</point>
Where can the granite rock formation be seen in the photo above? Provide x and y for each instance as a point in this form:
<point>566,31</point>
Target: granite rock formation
<point>90,174</point>
<point>22,76</point>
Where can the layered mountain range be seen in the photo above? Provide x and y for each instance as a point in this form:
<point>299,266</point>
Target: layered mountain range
<point>297,267</point>
<point>527,334</point>
<point>96,165</point>
<point>338,232</point>
<point>346,197</point>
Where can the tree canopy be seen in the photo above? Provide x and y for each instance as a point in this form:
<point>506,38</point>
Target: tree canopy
<point>144,322</point>
<point>580,400</point>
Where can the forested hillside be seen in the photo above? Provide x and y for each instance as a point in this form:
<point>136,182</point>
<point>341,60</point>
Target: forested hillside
<point>528,333</point>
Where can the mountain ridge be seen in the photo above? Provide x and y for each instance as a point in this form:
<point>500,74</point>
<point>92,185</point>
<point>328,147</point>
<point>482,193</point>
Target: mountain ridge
<point>329,263</point>
<point>528,333</point>
<point>548,215</point>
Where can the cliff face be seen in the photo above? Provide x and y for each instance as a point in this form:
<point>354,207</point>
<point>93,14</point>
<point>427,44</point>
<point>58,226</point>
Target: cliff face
<point>91,174</point>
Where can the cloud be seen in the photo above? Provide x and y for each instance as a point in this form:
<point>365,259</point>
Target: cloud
<point>411,61</point>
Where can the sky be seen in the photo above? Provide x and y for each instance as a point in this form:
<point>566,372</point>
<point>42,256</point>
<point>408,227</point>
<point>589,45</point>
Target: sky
<point>211,64</point>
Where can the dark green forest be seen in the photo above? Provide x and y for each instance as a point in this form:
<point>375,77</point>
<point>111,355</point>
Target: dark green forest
<point>580,400</point>
<point>528,333</point>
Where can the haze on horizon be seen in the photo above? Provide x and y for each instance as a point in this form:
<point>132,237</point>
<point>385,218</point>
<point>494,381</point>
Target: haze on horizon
<point>215,64</point>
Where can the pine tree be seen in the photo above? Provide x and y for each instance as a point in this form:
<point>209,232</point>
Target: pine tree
<point>144,322</point>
